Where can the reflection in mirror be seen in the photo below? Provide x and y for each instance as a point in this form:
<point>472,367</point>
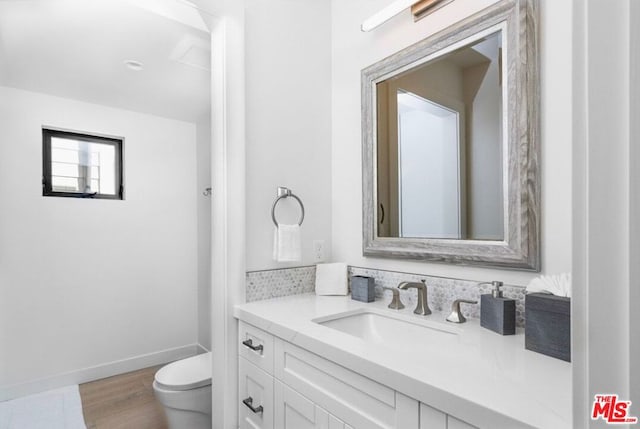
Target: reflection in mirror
<point>440,146</point>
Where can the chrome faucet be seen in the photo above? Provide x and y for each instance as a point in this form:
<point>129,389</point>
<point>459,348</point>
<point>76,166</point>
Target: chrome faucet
<point>456,314</point>
<point>395,304</point>
<point>422,307</point>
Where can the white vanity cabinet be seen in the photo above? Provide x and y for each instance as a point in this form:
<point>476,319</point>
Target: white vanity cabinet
<point>283,386</point>
<point>322,377</point>
<point>297,389</point>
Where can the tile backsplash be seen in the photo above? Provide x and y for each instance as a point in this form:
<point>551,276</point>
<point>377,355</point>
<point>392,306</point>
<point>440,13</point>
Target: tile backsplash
<point>282,282</point>
<point>442,291</point>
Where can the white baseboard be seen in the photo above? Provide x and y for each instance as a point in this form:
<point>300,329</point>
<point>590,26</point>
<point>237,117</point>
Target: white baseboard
<point>202,349</point>
<point>97,372</point>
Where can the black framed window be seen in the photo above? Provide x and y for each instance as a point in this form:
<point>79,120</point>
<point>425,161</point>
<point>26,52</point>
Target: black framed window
<point>81,165</point>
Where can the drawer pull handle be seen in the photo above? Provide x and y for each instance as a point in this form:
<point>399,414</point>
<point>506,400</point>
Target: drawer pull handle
<point>249,403</point>
<point>249,343</point>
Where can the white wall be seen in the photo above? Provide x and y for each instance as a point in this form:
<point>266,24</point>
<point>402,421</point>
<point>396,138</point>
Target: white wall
<point>85,283</point>
<point>288,122</point>
<point>484,151</point>
<point>634,193</point>
<point>605,329</point>
<point>608,190</point>
<point>354,50</point>
<point>579,299</point>
<point>429,180</point>
<point>228,245</point>
<point>203,154</point>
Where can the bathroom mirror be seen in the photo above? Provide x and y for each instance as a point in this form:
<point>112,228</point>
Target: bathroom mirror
<point>450,144</point>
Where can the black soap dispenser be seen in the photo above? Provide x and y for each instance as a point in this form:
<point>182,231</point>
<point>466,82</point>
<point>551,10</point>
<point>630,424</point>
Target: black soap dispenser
<point>496,312</point>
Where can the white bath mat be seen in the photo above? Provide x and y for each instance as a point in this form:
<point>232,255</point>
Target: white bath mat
<point>55,409</point>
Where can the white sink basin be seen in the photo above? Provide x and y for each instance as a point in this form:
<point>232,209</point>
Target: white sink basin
<point>384,327</point>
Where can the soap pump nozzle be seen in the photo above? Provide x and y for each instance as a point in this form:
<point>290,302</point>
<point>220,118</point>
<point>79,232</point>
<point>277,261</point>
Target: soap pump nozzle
<point>496,292</point>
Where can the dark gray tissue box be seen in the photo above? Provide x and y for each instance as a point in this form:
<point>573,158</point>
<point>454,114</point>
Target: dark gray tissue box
<point>498,314</point>
<point>548,325</point>
<point>363,288</point>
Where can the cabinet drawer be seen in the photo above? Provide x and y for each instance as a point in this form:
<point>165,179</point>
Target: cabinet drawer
<point>255,397</point>
<point>357,401</point>
<point>256,346</point>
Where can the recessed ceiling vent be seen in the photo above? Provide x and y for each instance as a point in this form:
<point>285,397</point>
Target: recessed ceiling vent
<point>193,52</point>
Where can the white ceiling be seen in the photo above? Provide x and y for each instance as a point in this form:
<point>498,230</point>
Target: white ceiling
<point>77,48</point>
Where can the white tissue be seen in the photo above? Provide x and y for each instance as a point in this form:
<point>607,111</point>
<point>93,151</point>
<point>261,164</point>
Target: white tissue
<point>558,284</point>
<point>331,279</point>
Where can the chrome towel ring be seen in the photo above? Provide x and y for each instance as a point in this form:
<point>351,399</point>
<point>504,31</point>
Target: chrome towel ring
<point>285,193</point>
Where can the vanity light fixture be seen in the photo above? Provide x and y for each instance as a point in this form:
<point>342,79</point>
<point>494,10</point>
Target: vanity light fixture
<point>419,9</point>
<point>426,7</point>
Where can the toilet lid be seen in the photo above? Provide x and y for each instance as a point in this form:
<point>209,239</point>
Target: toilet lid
<point>186,374</point>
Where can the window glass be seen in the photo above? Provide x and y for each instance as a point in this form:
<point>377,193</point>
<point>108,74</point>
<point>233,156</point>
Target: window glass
<point>80,165</point>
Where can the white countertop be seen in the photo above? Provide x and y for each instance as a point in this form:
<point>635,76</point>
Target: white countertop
<point>478,376</point>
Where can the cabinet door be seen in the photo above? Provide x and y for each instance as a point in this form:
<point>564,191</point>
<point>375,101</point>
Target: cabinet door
<point>294,411</point>
<point>255,397</point>
<point>430,418</point>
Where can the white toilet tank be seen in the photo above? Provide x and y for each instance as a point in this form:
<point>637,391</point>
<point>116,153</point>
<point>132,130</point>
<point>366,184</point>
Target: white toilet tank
<point>184,389</point>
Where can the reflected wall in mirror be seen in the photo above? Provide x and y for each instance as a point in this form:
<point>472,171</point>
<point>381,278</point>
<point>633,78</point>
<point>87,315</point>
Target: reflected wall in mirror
<point>450,144</point>
<point>439,146</point>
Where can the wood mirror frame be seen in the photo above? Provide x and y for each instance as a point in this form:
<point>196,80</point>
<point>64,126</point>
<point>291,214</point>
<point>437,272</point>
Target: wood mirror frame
<point>520,248</point>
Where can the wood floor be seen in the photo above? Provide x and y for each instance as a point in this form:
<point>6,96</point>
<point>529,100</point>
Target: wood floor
<point>122,402</point>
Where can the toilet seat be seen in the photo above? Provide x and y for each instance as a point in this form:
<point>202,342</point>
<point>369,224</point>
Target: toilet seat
<point>186,374</point>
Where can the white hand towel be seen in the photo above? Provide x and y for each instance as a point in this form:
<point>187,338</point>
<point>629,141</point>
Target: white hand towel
<point>286,243</point>
<point>559,285</point>
<point>331,279</point>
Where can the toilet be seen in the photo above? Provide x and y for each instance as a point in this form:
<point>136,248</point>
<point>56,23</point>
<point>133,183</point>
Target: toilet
<point>184,389</point>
